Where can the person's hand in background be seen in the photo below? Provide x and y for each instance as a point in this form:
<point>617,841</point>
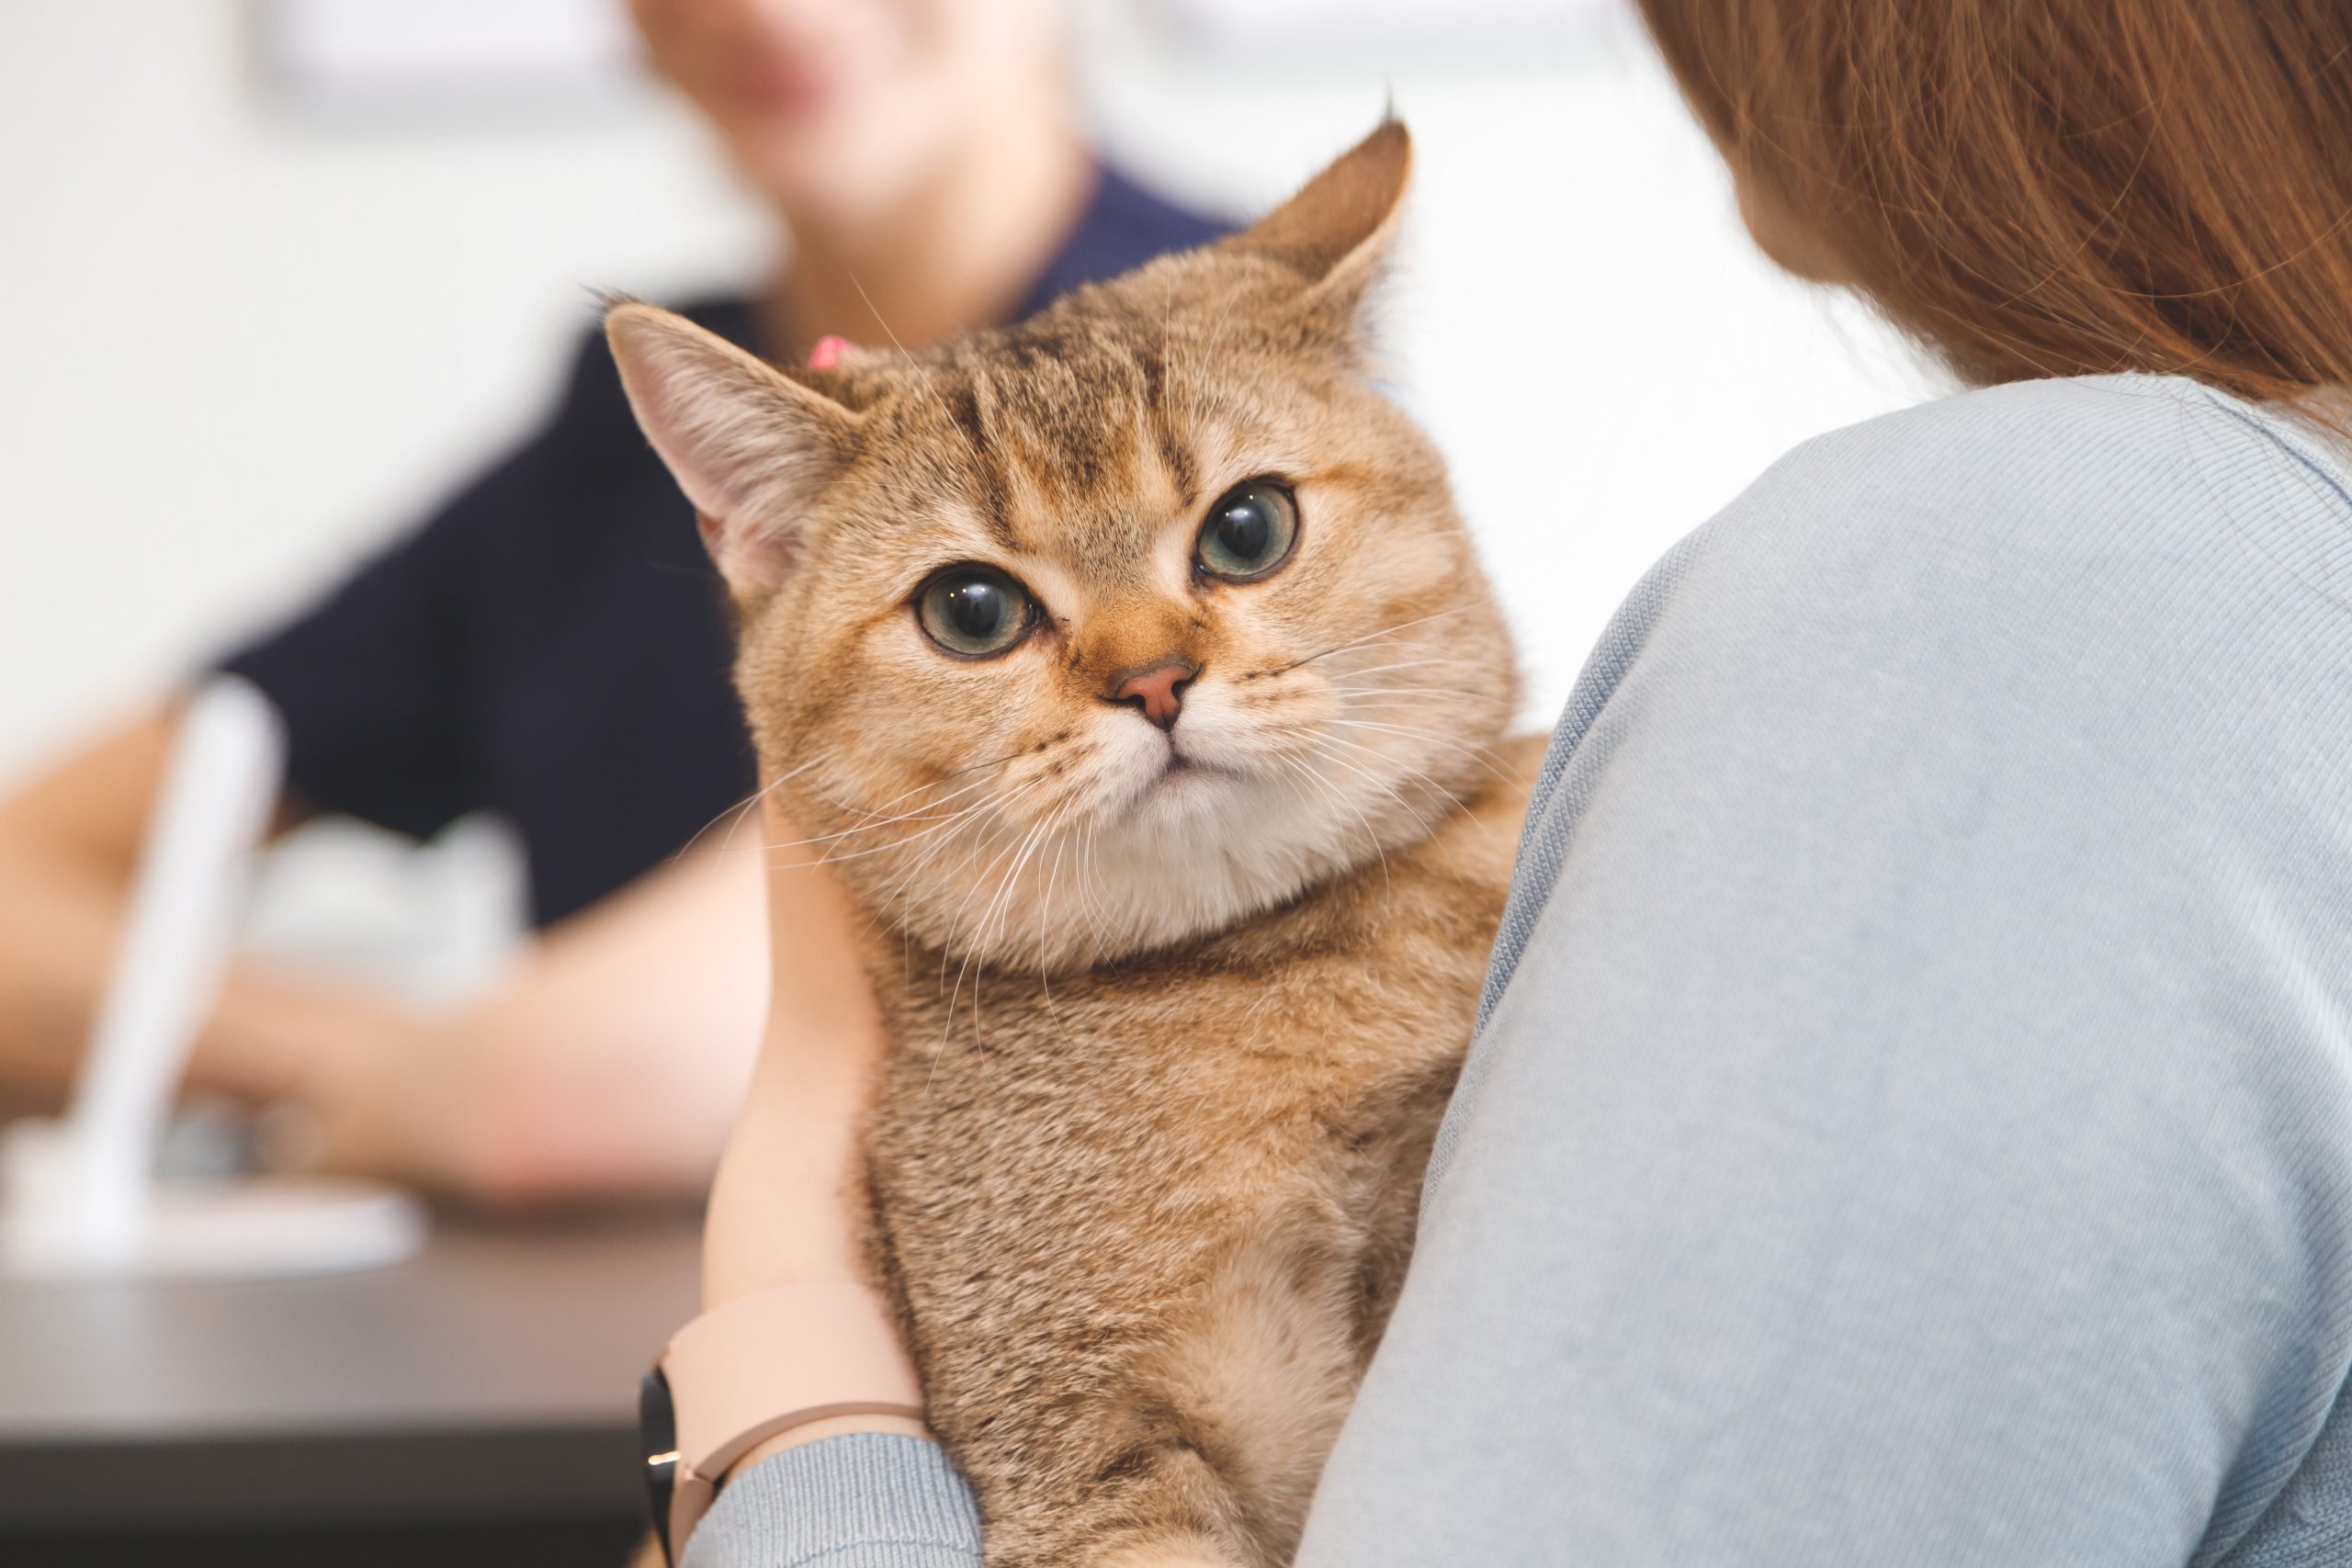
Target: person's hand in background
<point>611,1066</point>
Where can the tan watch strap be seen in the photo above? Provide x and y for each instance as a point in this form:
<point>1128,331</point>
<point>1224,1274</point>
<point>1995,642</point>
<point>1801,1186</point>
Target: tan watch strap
<point>764,1363</point>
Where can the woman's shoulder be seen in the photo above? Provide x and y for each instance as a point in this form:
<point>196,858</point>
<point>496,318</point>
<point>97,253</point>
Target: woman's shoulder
<point>2120,567</point>
<point>2116,459</point>
<point>2133,502</point>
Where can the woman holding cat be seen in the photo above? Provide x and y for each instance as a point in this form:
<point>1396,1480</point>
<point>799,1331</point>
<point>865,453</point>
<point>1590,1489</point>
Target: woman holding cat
<point>553,645</point>
<point>1910,1120</point>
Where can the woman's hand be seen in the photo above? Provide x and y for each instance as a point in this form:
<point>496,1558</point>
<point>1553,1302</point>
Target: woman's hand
<point>611,1066</point>
<point>784,1208</point>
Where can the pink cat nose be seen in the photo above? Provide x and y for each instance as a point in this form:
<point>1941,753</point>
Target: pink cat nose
<point>1159,692</point>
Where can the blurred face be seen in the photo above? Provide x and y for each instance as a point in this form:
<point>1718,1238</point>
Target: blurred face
<point>835,109</point>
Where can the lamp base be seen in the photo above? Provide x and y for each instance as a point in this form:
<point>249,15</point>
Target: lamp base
<point>235,1227</point>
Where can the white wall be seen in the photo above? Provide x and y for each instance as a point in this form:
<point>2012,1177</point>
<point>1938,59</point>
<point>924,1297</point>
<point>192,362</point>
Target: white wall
<point>244,342</point>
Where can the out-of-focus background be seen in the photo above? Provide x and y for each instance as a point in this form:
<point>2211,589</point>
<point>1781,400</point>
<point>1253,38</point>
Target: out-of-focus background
<point>280,274</point>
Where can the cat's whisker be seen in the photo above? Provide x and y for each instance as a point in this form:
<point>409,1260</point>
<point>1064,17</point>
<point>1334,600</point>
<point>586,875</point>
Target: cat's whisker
<point>733,814</point>
<point>943,832</point>
<point>1420,730</point>
<point>1053,834</point>
<point>973,951</point>
<point>991,926</point>
<point>924,863</point>
<point>915,789</point>
<point>1045,912</point>
<point>950,774</point>
<point>937,824</point>
<point>1090,883</point>
<point>1389,680</point>
<point>1424,823</point>
<point>1481,754</point>
<point>1372,637</point>
<point>1389,759</point>
<point>1000,826</point>
<point>1409,688</point>
<point>981,843</point>
<point>1427,661</point>
<point>919,812</point>
<point>1371,834</point>
<point>1046,908</point>
<point>1471,679</point>
<point>946,826</point>
<point>1404,694</point>
<point>924,813</point>
<point>958,772</point>
<point>1326,741</point>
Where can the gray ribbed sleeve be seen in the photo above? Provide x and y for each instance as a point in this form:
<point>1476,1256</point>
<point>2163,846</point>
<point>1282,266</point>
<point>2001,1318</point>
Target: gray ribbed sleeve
<point>1910,1121</point>
<point>870,1500</point>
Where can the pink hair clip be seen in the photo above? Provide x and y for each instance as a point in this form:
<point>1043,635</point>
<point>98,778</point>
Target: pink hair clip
<point>827,355</point>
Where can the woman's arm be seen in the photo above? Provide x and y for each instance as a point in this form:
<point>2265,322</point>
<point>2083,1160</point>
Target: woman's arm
<point>859,1491</point>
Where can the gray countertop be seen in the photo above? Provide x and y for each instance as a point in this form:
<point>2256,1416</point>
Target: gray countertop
<point>494,1375</point>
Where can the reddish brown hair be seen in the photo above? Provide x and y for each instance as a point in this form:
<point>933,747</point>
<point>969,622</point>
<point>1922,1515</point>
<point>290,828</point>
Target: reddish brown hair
<point>2056,187</point>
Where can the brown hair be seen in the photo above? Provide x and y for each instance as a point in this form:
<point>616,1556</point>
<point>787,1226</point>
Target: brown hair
<point>2033,188</point>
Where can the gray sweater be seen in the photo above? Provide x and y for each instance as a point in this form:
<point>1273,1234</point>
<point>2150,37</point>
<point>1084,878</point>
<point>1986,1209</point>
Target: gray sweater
<point>1910,1121</point>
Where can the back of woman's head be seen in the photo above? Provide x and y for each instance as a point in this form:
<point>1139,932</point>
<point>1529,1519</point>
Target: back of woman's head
<point>2034,188</point>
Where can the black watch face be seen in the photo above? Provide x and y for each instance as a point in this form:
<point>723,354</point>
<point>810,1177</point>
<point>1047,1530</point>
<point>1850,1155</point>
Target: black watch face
<point>658,1424</point>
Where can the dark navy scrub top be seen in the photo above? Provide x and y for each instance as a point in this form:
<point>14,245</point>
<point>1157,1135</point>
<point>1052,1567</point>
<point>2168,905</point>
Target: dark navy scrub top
<point>553,644</point>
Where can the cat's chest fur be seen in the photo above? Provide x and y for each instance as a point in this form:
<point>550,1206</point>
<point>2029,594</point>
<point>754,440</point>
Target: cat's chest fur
<point>1154,1215</point>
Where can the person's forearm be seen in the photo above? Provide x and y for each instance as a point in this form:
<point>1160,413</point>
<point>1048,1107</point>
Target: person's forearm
<point>796,1137</point>
<point>611,1065</point>
<point>61,923</point>
<point>69,845</point>
<point>57,933</point>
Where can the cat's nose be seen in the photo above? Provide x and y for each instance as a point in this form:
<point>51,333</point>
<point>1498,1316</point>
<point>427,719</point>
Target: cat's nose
<point>1158,691</point>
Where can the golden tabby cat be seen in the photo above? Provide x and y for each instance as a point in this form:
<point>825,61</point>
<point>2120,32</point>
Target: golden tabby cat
<point>1135,666</point>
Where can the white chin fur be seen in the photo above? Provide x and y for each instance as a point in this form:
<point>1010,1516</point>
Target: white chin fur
<point>1161,857</point>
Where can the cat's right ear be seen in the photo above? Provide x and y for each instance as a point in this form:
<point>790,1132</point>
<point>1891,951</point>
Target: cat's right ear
<point>751,447</point>
<point>1337,232</point>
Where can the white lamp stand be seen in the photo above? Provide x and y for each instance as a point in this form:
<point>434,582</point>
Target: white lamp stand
<point>80,1195</point>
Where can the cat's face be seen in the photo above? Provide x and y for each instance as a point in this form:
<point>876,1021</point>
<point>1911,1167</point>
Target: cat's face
<point>1103,631</point>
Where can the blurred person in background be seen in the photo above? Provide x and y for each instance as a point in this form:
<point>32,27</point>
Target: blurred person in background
<point>553,645</point>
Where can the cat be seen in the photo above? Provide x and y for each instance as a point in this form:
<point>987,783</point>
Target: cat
<point>1135,670</point>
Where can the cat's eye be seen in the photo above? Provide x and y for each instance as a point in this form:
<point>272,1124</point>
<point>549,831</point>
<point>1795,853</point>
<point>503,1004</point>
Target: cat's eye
<point>1249,533</point>
<point>975,612</point>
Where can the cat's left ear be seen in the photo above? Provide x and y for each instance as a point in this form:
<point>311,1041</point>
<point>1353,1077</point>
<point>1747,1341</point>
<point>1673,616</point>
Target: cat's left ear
<point>1337,231</point>
<point>751,447</point>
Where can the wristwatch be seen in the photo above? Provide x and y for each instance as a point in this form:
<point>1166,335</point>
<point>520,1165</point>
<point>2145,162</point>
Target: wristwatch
<point>756,1367</point>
